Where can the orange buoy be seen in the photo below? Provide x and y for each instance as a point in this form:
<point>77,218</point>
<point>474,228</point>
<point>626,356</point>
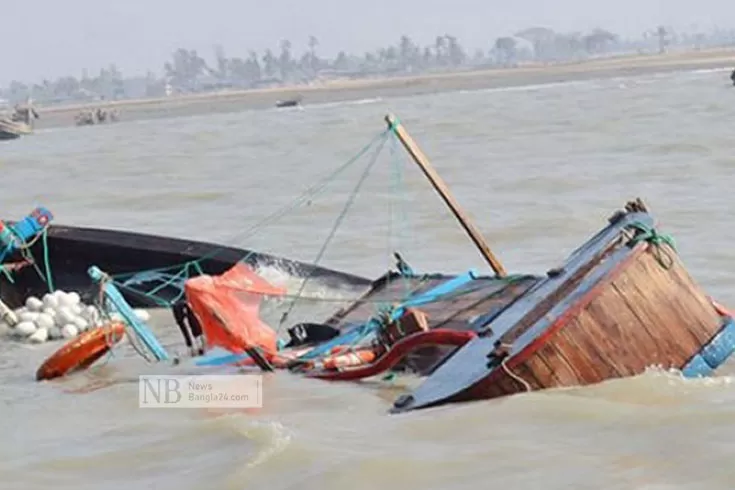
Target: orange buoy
<point>81,352</point>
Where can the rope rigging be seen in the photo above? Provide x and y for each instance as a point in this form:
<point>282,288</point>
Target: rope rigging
<point>350,201</point>
<point>175,276</point>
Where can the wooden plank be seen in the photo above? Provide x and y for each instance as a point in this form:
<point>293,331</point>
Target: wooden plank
<point>585,363</point>
<point>679,300</point>
<point>624,329</point>
<point>580,340</point>
<point>440,187</point>
<point>660,346</point>
<point>658,308</point>
<point>456,318</point>
<point>523,372</point>
<point>628,341</point>
<point>365,308</point>
<point>561,367</point>
<point>542,372</point>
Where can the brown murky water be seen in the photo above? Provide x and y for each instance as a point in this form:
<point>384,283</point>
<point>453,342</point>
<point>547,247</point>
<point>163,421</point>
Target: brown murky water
<point>540,168</point>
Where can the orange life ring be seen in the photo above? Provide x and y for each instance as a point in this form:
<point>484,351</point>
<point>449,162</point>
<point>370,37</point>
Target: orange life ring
<point>81,352</point>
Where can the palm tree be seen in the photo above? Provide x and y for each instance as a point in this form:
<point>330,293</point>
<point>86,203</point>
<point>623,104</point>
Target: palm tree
<point>314,60</point>
<point>285,60</point>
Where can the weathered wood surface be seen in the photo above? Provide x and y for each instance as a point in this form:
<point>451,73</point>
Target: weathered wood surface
<point>481,296</point>
<point>646,315</point>
<point>470,307</point>
<point>611,311</point>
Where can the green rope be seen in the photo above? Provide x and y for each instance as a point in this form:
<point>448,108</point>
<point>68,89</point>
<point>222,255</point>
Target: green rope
<point>25,251</point>
<point>337,223</point>
<point>182,274</point>
<point>156,299</point>
<point>649,234</point>
<point>47,262</point>
<point>307,195</point>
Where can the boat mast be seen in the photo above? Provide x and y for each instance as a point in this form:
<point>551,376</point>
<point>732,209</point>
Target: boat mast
<point>436,181</point>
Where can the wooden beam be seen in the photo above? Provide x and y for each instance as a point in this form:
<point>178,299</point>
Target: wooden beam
<point>436,181</point>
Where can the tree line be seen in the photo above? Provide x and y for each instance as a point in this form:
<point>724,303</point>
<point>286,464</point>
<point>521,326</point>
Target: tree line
<point>189,71</point>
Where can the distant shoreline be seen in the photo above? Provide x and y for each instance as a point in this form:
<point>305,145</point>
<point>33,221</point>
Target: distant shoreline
<point>343,90</point>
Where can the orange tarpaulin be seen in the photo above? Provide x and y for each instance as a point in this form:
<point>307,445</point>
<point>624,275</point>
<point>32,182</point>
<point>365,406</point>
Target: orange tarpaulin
<point>227,307</point>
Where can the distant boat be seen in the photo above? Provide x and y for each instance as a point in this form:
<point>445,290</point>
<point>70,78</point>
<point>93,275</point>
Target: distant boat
<point>10,130</point>
<point>289,102</point>
<point>97,116</point>
<point>19,123</point>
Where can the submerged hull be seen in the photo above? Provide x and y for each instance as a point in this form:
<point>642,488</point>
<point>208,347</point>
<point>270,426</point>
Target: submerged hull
<point>621,303</point>
<point>72,250</point>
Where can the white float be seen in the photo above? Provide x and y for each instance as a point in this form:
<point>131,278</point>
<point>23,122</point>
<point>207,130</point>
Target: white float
<point>59,315</point>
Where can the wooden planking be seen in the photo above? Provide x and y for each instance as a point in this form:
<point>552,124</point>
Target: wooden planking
<point>667,306</point>
<point>643,317</point>
<point>390,292</point>
<point>563,369</point>
<point>698,301</point>
<point>685,299</point>
<point>449,313</point>
<point>667,345</point>
<point>588,347</point>
<point>585,363</point>
<point>457,315</point>
<point>623,338</point>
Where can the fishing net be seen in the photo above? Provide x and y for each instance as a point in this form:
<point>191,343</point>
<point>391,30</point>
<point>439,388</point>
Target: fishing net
<point>228,309</point>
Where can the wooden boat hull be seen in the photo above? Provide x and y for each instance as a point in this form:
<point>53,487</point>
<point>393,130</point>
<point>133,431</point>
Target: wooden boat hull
<point>72,250</point>
<point>616,307</point>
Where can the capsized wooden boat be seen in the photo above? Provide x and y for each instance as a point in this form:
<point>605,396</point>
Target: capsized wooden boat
<point>71,250</point>
<point>621,302</point>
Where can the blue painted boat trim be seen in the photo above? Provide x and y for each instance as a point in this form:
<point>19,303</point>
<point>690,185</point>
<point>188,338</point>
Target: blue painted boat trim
<point>714,353</point>
<point>118,302</point>
<point>697,367</point>
<point>722,345</point>
<point>436,293</point>
<point>469,364</point>
<point>220,360</point>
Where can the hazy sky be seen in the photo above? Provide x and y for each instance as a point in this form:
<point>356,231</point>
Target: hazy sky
<point>57,37</point>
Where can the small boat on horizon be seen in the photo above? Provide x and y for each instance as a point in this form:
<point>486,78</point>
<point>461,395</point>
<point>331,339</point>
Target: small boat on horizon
<point>19,123</point>
<point>295,102</point>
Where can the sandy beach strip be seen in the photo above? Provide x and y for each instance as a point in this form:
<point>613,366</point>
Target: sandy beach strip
<point>343,90</point>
